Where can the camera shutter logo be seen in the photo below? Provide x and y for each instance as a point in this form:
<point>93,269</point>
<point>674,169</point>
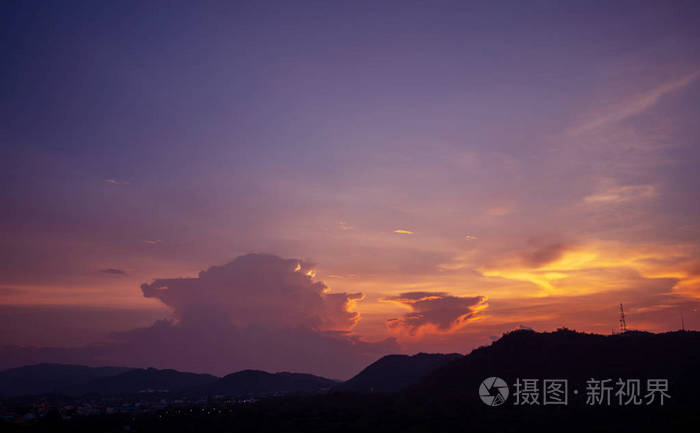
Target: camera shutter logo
<point>493,391</point>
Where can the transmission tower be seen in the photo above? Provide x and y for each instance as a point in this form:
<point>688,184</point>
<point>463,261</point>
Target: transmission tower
<point>682,322</point>
<point>623,323</point>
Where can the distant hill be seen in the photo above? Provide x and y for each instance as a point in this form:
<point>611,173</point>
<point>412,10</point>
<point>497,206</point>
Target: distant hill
<point>576,357</point>
<point>393,373</point>
<point>47,378</point>
<point>256,383</point>
<point>143,380</point>
<point>80,380</point>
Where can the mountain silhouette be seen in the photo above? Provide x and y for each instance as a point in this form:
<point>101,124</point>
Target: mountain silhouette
<point>49,378</point>
<point>574,356</point>
<point>142,380</point>
<point>393,373</point>
<point>256,383</point>
<point>76,380</point>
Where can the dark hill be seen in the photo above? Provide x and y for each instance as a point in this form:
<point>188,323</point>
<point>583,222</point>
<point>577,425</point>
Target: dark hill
<point>576,357</point>
<point>393,373</point>
<point>47,378</point>
<point>140,380</point>
<point>256,383</point>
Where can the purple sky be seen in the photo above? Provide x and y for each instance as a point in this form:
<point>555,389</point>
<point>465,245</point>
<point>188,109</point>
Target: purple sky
<point>441,171</point>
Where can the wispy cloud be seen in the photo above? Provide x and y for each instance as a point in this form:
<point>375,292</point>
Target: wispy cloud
<point>116,182</point>
<point>403,232</point>
<point>501,210</point>
<point>8,291</point>
<point>342,225</point>
<point>113,271</point>
<point>621,194</point>
<point>580,269</point>
<point>152,241</point>
<point>470,237</point>
<point>636,105</point>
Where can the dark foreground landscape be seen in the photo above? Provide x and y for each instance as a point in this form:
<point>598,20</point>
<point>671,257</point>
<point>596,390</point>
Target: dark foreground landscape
<point>634,381</point>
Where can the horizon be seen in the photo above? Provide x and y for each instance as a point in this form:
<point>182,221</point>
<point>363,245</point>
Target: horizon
<point>275,186</point>
<point>362,369</point>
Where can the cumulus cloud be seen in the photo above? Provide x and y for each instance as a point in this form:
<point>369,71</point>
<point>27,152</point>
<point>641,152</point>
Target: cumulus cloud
<point>437,310</point>
<point>258,289</point>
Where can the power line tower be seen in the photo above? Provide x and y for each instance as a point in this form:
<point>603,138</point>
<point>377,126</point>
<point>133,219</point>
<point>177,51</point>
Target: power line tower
<point>682,322</point>
<point>623,323</point>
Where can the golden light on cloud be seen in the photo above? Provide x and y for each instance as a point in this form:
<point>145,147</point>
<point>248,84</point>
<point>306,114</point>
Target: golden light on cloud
<point>570,273</point>
<point>308,272</point>
<point>470,237</point>
<point>403,232</point>
<point>547,277</point>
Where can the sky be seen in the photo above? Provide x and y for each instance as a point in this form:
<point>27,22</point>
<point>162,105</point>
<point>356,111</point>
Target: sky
<point>307,186</point>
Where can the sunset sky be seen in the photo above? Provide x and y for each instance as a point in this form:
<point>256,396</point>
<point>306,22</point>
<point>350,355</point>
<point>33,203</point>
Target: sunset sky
<point>410,176</point>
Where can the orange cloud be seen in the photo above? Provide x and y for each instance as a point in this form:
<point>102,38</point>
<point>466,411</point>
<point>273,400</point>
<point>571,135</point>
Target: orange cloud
<point>438,311</point>
<point>570,270</point>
